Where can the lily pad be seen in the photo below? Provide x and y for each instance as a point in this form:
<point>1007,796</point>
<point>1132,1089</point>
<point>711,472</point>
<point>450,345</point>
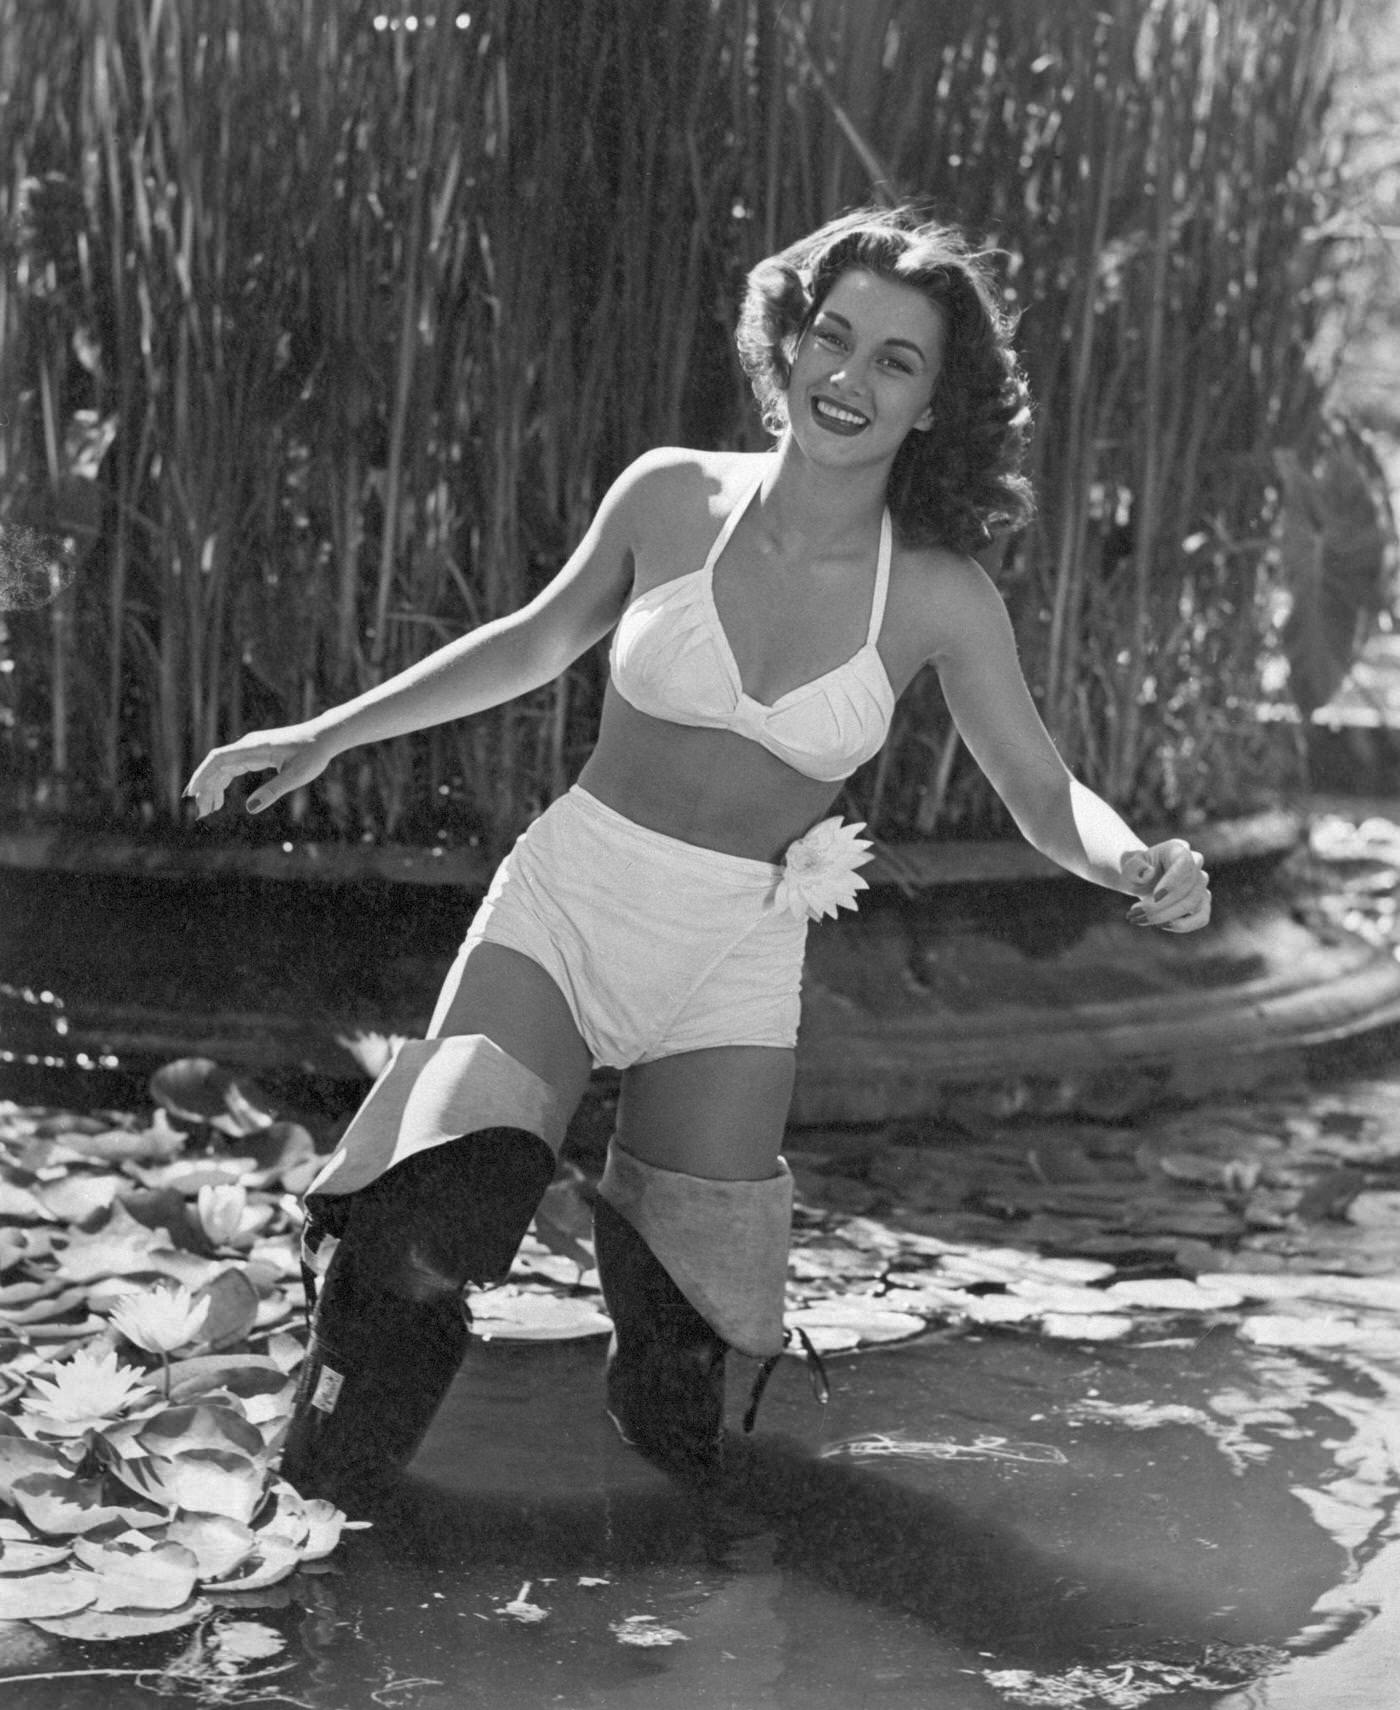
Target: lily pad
<point>867,1320</point>
<point>20,1556</point>
<point>46,1595</point>
<point>218,1544</point>
<point>114,1624</point>
<point>273,1561</point>
<point>122,1247</point>
<point>19,1203</point>
<point>72,1507</point>
<point>520,1313</point>
<point>246,1641</point>
<point>203,1481</point>
<point>200,1426</point>
<point>240,1374</point>
<point>201,1090</point>
<point>155,1144</point>
<point>233,1308</point>
<point>159,1578</point>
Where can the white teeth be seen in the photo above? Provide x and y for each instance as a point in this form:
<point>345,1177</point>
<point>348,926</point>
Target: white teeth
<point>839,414</point>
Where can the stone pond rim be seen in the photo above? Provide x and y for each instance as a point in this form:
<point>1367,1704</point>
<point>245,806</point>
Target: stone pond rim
<point>971,968</point>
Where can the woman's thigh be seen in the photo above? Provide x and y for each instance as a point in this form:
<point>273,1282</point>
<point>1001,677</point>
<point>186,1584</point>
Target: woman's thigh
<point>719,1112</point>
<point>514,1002</point>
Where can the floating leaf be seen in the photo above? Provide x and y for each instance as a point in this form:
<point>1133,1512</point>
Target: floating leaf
<point>44,1595</point>
<point>217,1543</point>
<point>324,1525</point>
<point>19,1556</point>
<point>206,1481</point>
<point>70,1506</point>
<point>1375,1210</point>
<point>645,1630</point>
<point>114,1624</point>
<point>868,1320</point>
<point>273,1561</point>
<point>203,1425</point>
<point>200,1090</point>
<point>21,1458</point>
<point>122,1247</point>
<point>155,1144</point>
<point>521,1313</point>
<point>246,1641</point>
<point>19,1203</point>
<point>1058,1298</point>
<point>521,1609</point>
<point>48,1306</point>
<point>240,1374</point>
<point>1076,1327</point>
<point>233,1308</point>
<point>186,1176</point>
<point>1173,1294</point>
<point>159,1578</point>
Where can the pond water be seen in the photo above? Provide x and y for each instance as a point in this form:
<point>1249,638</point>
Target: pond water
<point>979,1518</point>
<point>972,1521</point>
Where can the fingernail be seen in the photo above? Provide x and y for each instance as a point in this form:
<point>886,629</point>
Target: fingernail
<point>253,805</point>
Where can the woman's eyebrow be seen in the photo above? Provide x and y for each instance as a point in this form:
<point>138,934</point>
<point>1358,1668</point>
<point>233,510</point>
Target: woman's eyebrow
<point>906,343</point>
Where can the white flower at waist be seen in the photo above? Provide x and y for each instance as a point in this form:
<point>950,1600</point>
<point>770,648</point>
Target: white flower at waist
<point>819,870</point>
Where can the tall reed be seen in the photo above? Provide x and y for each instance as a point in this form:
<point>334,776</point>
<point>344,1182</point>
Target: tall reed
<point>344,326</point>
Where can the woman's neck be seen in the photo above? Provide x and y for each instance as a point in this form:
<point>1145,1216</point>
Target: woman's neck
<point>818,510</point>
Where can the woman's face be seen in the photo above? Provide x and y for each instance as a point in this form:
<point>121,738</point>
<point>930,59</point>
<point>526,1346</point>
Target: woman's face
<point>865,370</point>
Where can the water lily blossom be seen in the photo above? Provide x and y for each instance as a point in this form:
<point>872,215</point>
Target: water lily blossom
<point>83,1394</point>
<point>819,870</point>
<point>160,1319</point>
<point>221,1208</point>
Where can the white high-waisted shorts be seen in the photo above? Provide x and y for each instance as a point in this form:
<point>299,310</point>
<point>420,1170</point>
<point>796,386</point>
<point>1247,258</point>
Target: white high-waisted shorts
<point>658,946</point>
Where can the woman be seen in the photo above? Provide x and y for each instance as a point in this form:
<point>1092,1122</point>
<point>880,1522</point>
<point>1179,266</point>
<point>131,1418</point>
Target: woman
<point>767,611</point>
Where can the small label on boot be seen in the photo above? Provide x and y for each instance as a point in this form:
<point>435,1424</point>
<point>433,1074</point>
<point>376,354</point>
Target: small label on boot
<point>328,1387</point>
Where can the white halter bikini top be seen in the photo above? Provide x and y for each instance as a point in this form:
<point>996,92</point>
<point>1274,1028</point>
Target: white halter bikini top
<point>671,659</point>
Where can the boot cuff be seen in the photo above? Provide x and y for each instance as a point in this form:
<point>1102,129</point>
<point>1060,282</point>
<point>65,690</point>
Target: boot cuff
<point>433,1091</point>
<point>724,1244</point>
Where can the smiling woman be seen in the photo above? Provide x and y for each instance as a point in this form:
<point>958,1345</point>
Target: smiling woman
<point>945,334</point>
<point>768,610</point>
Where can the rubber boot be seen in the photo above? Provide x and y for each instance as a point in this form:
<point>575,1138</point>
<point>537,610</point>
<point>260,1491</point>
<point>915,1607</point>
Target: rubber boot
<point>690,1267</point>
<point>391,1326</point>
<point>665,1369</point>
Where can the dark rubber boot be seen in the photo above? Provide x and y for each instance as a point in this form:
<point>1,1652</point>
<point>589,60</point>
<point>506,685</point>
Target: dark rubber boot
<point>391,1326</point>
<point>665,1374</point>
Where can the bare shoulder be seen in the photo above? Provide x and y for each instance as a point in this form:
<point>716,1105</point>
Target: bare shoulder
<point>942,602</point>
<point>674,499</point>
<point>671,475</point>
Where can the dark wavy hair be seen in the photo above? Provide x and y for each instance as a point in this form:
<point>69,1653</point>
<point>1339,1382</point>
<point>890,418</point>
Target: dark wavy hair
<point>958,482</point>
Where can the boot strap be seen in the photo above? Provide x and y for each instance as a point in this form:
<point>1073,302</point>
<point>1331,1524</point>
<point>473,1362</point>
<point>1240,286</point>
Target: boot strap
<point>816,1374</point>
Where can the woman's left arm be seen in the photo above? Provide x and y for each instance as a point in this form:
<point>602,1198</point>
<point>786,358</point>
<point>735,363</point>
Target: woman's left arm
<point>977,664</point>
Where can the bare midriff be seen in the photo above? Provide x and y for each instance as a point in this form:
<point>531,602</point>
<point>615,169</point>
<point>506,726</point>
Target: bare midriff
<point>708,787</point>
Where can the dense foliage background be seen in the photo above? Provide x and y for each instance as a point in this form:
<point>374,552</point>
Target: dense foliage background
<point>325,324</point>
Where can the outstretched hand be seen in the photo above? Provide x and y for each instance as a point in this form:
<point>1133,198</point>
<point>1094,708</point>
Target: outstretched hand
<point>1172,884</point>
<point>296,753</point>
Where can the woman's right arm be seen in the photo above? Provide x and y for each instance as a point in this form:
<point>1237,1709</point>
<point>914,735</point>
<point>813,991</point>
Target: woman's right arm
<point>502,659</point>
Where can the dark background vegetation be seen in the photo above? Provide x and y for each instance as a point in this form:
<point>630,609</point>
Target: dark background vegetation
<point>326,324</point>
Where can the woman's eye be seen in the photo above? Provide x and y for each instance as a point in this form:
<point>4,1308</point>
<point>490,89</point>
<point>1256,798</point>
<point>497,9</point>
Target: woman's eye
<point>824,335</point>
<point>897,365</point>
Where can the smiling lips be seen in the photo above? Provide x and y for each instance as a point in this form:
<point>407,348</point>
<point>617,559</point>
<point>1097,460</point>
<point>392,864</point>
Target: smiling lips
<point>838,418</point>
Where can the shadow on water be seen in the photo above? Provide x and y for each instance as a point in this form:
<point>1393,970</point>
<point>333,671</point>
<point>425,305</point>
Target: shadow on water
<point>816,1580</point>
<point>531,1559</point>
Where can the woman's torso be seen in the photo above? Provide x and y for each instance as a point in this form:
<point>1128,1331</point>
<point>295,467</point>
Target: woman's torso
<point>804,646</point>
